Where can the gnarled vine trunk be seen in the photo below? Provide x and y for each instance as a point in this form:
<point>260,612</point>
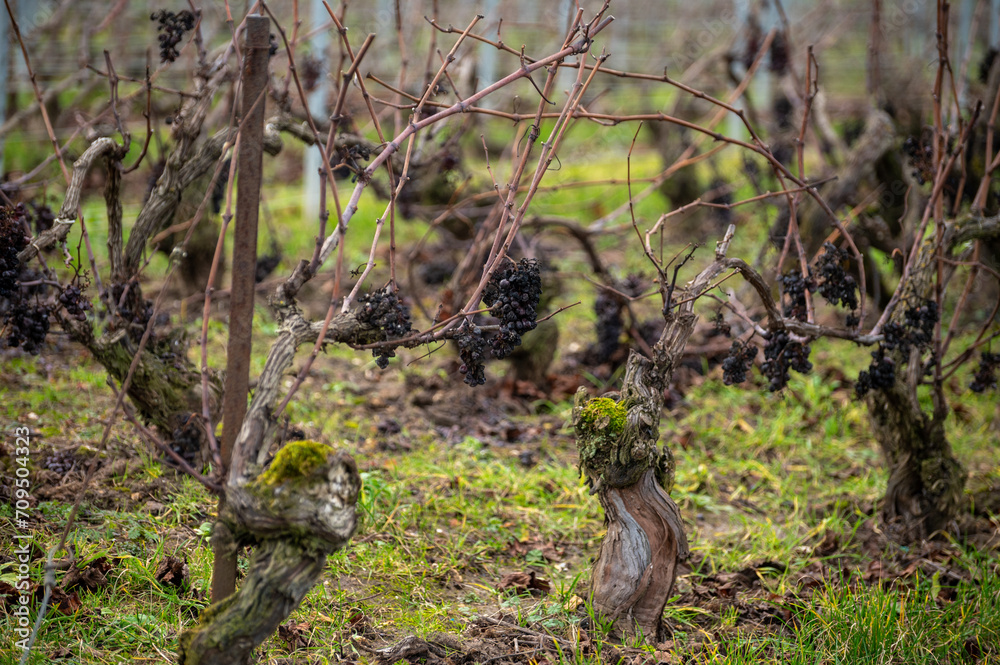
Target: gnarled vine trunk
<point>925,486</point>
<point>299,511</point>
<point>926,481</point>
<point>633,576</point>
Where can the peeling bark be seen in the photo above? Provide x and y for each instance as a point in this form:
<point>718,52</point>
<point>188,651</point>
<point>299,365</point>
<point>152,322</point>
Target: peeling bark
<point>634,574</point>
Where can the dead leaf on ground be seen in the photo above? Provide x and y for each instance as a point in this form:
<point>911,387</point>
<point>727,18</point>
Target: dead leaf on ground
<point>295,635</point>
<point>827,546</point>
<point>92,577</point>
<point>524,582</point>
<point>65,603</point>
<point>172,572</point>
<point>549,550</point>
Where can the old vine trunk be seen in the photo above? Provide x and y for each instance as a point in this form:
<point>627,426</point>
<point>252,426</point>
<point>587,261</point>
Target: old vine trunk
<point>634,574</point>
<point>925,486</point>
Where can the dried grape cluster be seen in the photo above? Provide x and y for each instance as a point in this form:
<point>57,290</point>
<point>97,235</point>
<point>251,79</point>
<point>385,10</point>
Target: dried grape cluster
<point>512,295</point>
<point>835,284</point>
<point>986,64</point>
<point>921,156</point>
<point>608,308</point>
<point>12,241</point>
<point>42,217</point>
<point>61,461</point>
<point>186,440</point>
<point>779,54</point>
<point>794,286</point>
<point>72,299</point>
<point>720,326</point>
<point>782,353</point>
<point>384,310</point>
<point>880,375</point>
<point>171,31</point>
<point>473,352</point>
<point>916,331</point>
<point>986,375</point>
<point>919,327</point>
<point>738,362</point>
<point>27,325</point>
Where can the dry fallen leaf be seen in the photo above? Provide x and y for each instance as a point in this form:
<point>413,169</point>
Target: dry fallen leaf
<point>172,572</point>
<point>522,582</point>
<point>91,578</point>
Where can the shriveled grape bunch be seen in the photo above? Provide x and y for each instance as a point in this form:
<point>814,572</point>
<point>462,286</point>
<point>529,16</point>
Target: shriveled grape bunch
<point>384,310</point>
<point>834,283</point>
<point>24,322</point>
<point>608,308</point>
<point>27,325</point>
<point>916,331</point>
<point>512,296</point>
<point>12,241</point>
<point>880,375</point>
<point>60,461</point>
<point>919,326</point>
<point>794,286</point>
<point>782,353</point>
<point>986,375</point>
<point>738,362</point>
<point>185,440</point>
<point>921,155</point>
<point>171,31</point>
<point>76,305</point>
<point>42,217</point>
<point>473,351</point>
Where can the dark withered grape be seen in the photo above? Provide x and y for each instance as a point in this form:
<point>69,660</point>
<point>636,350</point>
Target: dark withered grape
<point>779,54</point>
<point>720,326</point>
<point>608,308</point>
<point>921,155</point>
<point>917,330</point>
<point>920,321</point>
<point>42,217</point>
<point>834,283</point>
<point>171,31</point>
<point>473,351</point>
<point>881,374</point>
<point>133,311</point>
<point>27,325</point>
<point>72,299</point>
<point>185,440</point>
<point>986,375</point>
<point>782,354</point>
<point>738,362</point>
<point>384,310</point>
<point>794,286</point>
<point>512,296</point>
<point>60,461</point>
<point>12,241</point>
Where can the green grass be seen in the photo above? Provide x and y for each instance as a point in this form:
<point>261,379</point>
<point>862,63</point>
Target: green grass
<point>445,515</point>
<point>761,477</point>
